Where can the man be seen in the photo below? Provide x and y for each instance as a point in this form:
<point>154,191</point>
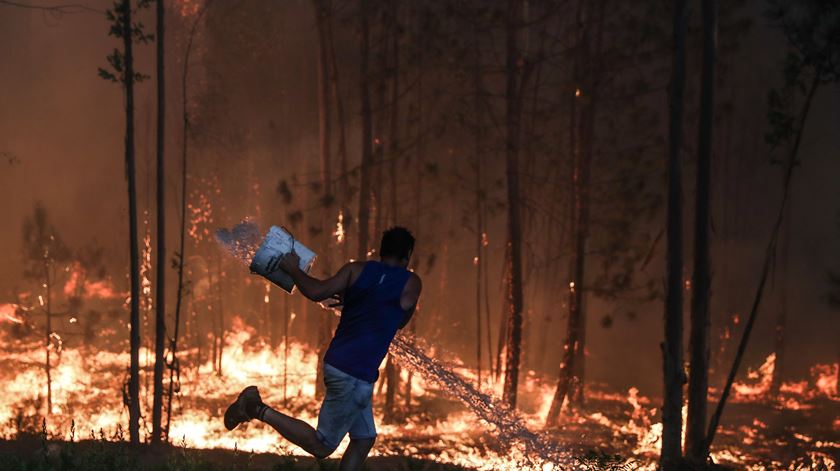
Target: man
<point>378,298</point>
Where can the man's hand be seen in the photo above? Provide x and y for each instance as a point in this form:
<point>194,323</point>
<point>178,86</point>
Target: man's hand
<point>288,263</point>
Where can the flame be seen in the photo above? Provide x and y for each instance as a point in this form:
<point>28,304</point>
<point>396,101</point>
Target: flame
<point>87,383</point>
<point>8,312</point>
<point>101,289</point>
<point>339,228</point>
<point>763,377</point>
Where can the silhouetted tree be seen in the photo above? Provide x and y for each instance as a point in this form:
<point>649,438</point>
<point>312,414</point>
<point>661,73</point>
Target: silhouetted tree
<point>672,347</point>
<point>122,65</point>
<point>160,281</point>
<point>44,252</point>
<point>367,128</point>
<point>698,380</point>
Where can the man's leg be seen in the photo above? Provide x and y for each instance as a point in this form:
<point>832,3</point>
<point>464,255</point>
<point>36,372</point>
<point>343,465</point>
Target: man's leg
<point>296,431</point>
<point>356,453</point>
<point>249,406</point>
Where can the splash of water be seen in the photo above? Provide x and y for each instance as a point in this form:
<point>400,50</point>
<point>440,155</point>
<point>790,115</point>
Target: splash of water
<point>538,450</point>
<point>242,240</point>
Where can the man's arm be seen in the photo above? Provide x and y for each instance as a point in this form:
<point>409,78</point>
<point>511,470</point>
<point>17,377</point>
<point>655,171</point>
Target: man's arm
<point>409,298</point>
<point>311,287</point>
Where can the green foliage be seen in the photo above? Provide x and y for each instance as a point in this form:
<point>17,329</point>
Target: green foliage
<point>116,59</point>
<point>812,28</point>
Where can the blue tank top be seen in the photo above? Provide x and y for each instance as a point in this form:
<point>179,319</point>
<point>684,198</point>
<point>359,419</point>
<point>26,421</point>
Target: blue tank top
<point>369,320</point>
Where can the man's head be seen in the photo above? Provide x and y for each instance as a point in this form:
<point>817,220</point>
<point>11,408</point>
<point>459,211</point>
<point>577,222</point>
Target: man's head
<point>397,244</point>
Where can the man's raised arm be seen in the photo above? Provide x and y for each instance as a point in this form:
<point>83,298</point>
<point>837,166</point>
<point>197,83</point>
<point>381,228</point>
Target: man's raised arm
<point>313,288</point>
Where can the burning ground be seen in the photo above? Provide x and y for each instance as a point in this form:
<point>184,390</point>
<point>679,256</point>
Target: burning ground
<point>799,429</point>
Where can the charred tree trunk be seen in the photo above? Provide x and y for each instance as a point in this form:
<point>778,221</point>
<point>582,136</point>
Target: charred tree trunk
<point>393,145</point>
<point>220,317</point>
<point>672,347</point>
<point>48,343</point>
<point>323,12</point>
<point>160,288</point>
<point>479,220</point>
<point>513,107</point>
<point>367,139</point>
<point>781,318</point>
<point>380,115</point>
<point>587,72</point>
<point>698,380</point>
<point>134,249</point>
<point>573,325</point>
<point>343,181</point>
<point>504,302</point>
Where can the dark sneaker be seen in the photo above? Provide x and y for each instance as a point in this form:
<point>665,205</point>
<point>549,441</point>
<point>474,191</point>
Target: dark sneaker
<point>237,412</point>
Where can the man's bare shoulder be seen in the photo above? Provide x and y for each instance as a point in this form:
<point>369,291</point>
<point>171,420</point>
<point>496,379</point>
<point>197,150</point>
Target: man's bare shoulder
<point>414,284</point>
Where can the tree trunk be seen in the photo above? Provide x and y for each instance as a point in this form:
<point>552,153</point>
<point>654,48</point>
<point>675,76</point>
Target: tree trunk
<point>781,318</point>
<point>698,380</point>
<point>47,345</point>
<point>286,320</point>
<point>479,220</point>
<point>770,253</point>
<point>672,347</point>
<point>174,366</point>
<point>323,12</point>
<point>367,152</point>
<point>343,181</point>
<point>504,302</point>
<point>587,73</point>
<point>513,100</point>
<point>573,324</point>
<point>220,316</point>
<point>391,385</point>
<point>160,288</point>
<point>134,249</point>
<point>393,145</point>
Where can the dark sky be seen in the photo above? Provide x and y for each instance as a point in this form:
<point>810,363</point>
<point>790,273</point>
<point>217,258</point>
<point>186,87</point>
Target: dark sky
<point>61,134</point>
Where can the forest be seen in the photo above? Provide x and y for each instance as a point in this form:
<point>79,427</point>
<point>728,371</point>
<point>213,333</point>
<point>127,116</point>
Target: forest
<point>626,220</point>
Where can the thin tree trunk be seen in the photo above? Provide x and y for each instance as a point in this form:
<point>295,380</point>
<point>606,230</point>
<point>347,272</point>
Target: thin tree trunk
<point>394,121</point>
<point>285,350</point>
<point>479,220</point>
<point>160,289</point>
<point>134,249</point>
<point>570,379</point>
<point>343,181</point>
<point>672,347</point>
<point>367,151</point>
<point>514,223</point>
<point>220,335</point>
<point>588,115</point>
<point>323,12</point>
<point>47,345</point>
<point>770,255</point>
<point>781,318</point>
<point>698,380</point>
<point>505,309</point>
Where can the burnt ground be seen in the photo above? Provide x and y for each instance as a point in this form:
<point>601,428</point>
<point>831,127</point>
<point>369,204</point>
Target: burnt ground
<point>32,453</point>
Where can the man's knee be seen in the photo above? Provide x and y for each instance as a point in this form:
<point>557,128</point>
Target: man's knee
<point>321,450</point>
<point>363,444</point>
